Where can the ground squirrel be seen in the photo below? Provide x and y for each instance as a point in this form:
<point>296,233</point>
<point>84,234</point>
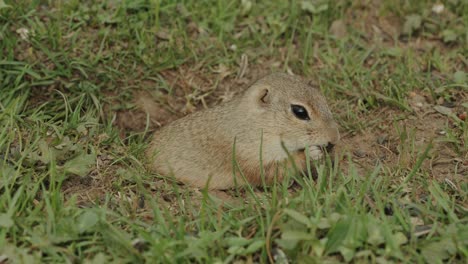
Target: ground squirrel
<point>279,113</point>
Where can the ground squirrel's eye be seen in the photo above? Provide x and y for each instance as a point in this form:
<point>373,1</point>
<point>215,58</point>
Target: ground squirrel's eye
<point>300,112</point>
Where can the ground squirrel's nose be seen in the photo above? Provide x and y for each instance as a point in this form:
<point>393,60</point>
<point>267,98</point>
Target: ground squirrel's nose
<point>333,135</point>
<point>329,147</point>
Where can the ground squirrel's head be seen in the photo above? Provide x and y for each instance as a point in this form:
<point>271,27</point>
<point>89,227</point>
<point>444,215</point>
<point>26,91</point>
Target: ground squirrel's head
<point>293,112</point>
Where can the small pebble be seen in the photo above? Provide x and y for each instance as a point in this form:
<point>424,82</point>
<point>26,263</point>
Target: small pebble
<point>141,201</point>
<point>140,244</point>
<point>440,100</point>
<point>462,116</point>
<point>359,153</point>
<point>438,8</point>
<point>382,139</point>
<point>448,104</point>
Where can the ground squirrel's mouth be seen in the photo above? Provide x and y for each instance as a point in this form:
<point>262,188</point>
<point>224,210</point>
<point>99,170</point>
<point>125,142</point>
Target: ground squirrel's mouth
<point>327,148</point>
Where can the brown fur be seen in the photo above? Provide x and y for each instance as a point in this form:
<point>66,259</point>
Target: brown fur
<point>198,149</point>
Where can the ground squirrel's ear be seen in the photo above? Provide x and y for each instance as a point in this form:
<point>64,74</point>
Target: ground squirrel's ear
<point>264,95</point>
<point>261,95</point>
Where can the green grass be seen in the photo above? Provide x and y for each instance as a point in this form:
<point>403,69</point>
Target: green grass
<point>61,87</point>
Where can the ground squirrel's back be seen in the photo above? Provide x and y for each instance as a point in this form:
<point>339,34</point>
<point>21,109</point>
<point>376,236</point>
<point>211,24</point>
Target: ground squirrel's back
<point>280,114</point>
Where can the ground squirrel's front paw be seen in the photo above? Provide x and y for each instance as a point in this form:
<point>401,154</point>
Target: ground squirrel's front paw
<point>315,153</point>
